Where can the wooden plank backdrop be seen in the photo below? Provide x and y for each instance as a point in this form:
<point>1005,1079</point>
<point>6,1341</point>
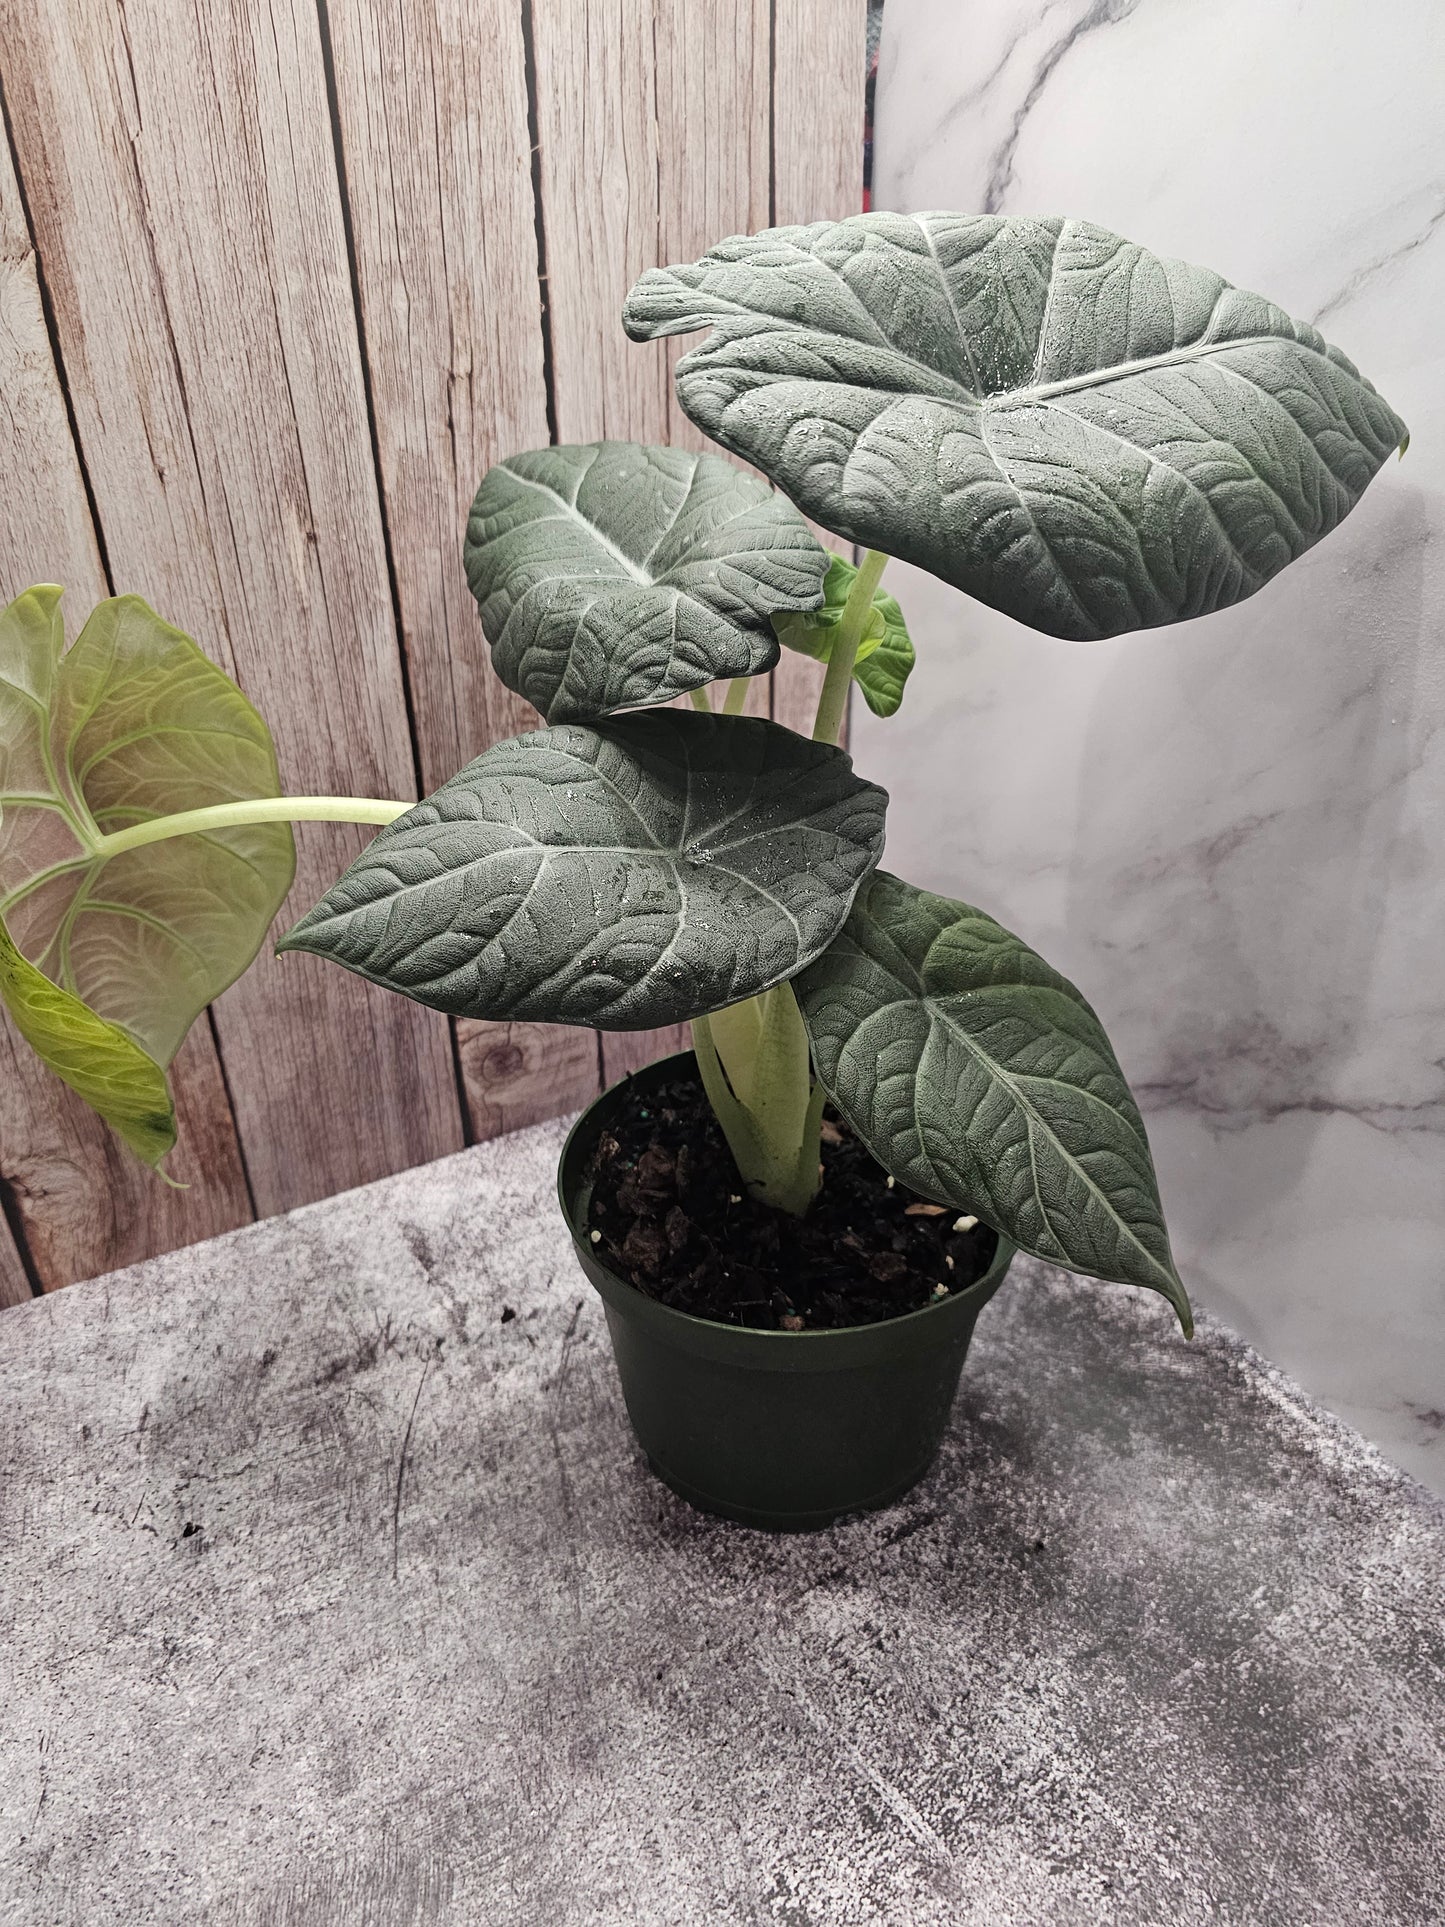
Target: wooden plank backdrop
<point>77,1201</point>
<point>279,280</point>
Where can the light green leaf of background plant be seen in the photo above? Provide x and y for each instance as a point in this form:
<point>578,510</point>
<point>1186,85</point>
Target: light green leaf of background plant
<point>980,1077</point>
<point>885,656</point>
<point>611,575</point>
<point>96,1059</point>
<point>1087,436</point>
<point>629,873</point>
<point>132,723</point>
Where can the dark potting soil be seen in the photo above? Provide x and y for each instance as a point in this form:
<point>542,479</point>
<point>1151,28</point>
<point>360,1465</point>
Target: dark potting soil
<point>671,1215</point>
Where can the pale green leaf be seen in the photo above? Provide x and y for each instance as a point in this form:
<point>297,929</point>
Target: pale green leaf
<point>96,1059</point>
<point>885,655</point>
<point>132,723</point>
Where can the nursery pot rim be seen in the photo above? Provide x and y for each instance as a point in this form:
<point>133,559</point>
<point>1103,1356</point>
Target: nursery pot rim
<point>761,1347</point>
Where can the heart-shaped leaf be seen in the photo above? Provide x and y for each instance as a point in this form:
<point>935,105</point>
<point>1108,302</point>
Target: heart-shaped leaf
<point>631,873</point>
<point>885,656</point>
<point>130,724</point>
<point>1085,435</point>
<point>980,1077</point>
<point>612,575</point>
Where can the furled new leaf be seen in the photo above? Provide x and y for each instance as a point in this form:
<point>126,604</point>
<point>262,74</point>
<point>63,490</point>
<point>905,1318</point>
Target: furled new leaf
<point>131,723</point>
<point>613,575</point>
<point>1085,435</point>
<point>633,872</point>
<point>980,1077</point>
<point>885,655</point>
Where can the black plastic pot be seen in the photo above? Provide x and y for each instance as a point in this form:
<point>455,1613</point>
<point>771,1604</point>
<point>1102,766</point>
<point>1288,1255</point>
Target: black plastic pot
<point>787,1430</point>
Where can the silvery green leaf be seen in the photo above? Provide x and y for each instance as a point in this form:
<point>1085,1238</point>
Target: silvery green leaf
<point>612,575</point>
<point>980,1077</point>
<point>1087,436</point>
<point>885,656</point>
<point>629,873</point>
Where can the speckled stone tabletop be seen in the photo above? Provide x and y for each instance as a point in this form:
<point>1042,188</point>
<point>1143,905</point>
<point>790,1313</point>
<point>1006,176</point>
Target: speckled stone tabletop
<point>332,1588</point>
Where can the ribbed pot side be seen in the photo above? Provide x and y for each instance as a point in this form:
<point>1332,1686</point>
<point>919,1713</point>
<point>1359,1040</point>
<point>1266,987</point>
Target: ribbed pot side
<point>784,1430</point>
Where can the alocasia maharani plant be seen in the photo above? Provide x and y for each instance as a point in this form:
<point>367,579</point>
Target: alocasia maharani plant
<point>1075,431</point>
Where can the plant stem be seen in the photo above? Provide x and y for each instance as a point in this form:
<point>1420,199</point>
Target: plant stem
<point>754,1062</point>
<point>259,809</point>
<point>833,701</point>
<point>737,695</point>
<point>754,1057</point>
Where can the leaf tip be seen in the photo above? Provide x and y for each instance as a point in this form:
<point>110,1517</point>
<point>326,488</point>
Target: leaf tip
<point>152,1137</point>
<point>1183,1310</point>
<point>294,939</point>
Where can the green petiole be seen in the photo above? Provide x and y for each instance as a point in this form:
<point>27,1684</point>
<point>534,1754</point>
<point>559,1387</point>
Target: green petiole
<point>259,809</point>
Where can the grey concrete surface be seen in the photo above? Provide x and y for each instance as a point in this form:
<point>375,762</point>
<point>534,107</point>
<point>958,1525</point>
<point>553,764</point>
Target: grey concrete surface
<point>333,1594</point>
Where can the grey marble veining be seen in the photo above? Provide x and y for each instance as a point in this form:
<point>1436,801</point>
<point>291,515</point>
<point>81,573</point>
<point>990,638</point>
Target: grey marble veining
<point>1232,833</point>
<point>333,1588</point>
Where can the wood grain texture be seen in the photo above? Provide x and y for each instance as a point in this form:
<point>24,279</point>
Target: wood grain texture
<point>235,421</point>
<point>596,106</point>
<point>819,61</point>
<point>629,1050</point>
<point>654,143</point>
<point>653,121</point>
<point>180,171</point>
<point>14,1285</point>
<point>431,99</point>
<point>653,125</point>
<point>520,1074</point>
<point>46,534</point>
<point>432,103</point>
<point>84,1203</point>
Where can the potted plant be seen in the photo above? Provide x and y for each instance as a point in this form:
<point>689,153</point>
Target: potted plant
<point>1077,432</point>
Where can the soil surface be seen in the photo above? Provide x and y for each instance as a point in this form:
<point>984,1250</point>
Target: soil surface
<point>671,1215</point>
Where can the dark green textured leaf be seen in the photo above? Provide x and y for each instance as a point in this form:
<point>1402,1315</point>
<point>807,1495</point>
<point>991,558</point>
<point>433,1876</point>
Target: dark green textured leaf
<point>885,657</point>
<point>1085,435</point>
<point>612,575</point>
<point>635,872</point>
<point>978,1076</point>
<point>131,723</point>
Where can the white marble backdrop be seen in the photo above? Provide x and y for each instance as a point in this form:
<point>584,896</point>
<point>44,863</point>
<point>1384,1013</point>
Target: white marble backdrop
<point>1231,833</point>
